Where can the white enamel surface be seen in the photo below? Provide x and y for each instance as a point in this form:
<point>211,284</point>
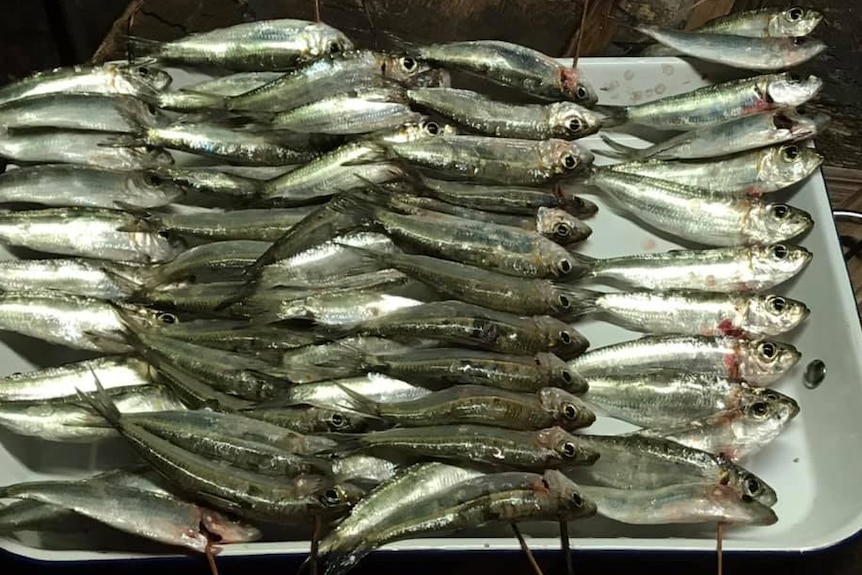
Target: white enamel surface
<point>813,466</point>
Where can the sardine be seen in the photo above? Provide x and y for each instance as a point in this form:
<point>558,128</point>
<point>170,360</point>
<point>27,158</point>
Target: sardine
<point>72,185</point>
<point>314,419</point>
<point>215,225</point>
<point>518,67</point>
<point>86,232</point>
<point>234,84</point>
<point>374,387</point>
<point>757,361</point>
<point>216,182</point>
<point>675,504</point>
<point>96,149</point>
<point>360,469</point>
<point>77,277</point>
<point>752,173</point>
<point>668,398</point>
<point>199,262</point>
<point>264,45</point>
<point>92,112</point>
<point>483,115</point>
<point>696,312</point>
<point>736,269</point>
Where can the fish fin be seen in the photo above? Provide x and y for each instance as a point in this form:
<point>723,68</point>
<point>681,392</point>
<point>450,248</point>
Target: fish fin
<point>613,115</point>
<point>127,285</point>
<point>377,152</point>
<point>357,403</point>
<point>112,337</point>
<point>133,140</point>
<point>137,47</point>
<point>618,150</point>
<point>101,402</point>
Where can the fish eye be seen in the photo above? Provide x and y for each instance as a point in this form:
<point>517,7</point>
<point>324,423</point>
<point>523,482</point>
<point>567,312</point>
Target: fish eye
<point>432,128</point>
<point>790,153</point>
<point>567,377</point>
<point>409,64</point>
<point>143,71</point>
<point>167,318</point>
<point>151,110</point>
<point>565,266</point>
<point>337,420</point>
<point>780,211</point>
<point>753,486</point>
<point>575,125</point>
<point>778,304</point>
<point>562,230</point>
<point>767,349</point>
<point>569,162</point>
<point>569,450</point>
<point>577,500</point>
<point>770,397</point>
<point>150,149</point>
<point>570,411</point>
<point>565,338</point>
<point>759,409</point>
<point>581,93</point>
<point>779,251</point>
<point>331,497</point>
<point>334,47</point>
<point>564,301</point>
<point>795,13</point>
<point>152,180</point>
<point>799,41</point>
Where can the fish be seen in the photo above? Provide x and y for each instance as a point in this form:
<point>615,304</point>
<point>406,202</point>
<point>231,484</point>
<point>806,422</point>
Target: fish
<point>668,398</point>
<point>70,185</point>
<point>636,462</point>
<point>508,199</point>
<point>155,516</point>
<point>219,183</point>
<point>457,323</point>
<point>526,450</point>
<point>478,404</point>
<point>354,112</point>
<point>215,225</point>
<point>731,137</point>
<point>200,298</point>
<point>735,433</point>
<point>99,113</point>
<point>359,469</point>
<point>687,503</point>
<point>771,22</point>
<point>193,392</point>
<point>215,259</point>
<point>88,233</point>
<point>373,386</point>
<point>518,67</point>
<point>314,419</point>
<point>359,69</point>
<point>73,276</point>
<point>448,366</point>
<point>696,312</point>
<point>227,488</point>
<point>265,45</point>
<point>69,422</point>
<point>718,103</point>
<point>727,270</point>
<point>750,53</point>
<point>474,503</point>
<point>753,173</point>
<point>112,78</point>
<point>233,84</point>
<point>484,115</point>
<point>699,216</point>
<point>96,149</point>
<point>119,372</point>
<point>757,361</point>
<point>484,159</point>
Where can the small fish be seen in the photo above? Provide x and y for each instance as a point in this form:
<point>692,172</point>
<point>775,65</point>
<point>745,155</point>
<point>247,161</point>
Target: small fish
<point>791,22</point>
<point>718,103</point>
<point>635,462</point>
<point>77,277</point>
<point>88,233</point>
<point>700,216</point>
<point>313,419</point>
<point>158,517</point>
<point>483,115</point>
<point>752,173</point>
<point>457,323</point>
<point>99,113</point>
<point>201,298</point>
<point>265,45</point>
<point>374,387</point>
<point>111,79</point>
<point>735,433</point>
<point>209,181</point>
<point>198,263</point>
<point>86,148</point>
<point>527,450</point>
<point>678,504</point>
<point>52,383</point>
<point>739,135</point>
<point>69,185</point>
<point>696,312</point>
<point>233,84</point>
<point>514,66</point>
<point>757,361</point>
<point>508,199</point>
<point>214,225</point>
<point>669,398</point>
<point>360,469</point>
<point>484,159</point>
<point>728,270</point>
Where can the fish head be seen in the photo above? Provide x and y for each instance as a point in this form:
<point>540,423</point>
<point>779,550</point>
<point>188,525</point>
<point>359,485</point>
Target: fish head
<point>771,408</point>
<point>323,40</point>
<point>574,87</point>
<point>152,183</point>
<point>145,157</point>
<point>340,496</point>
<point>768,223</point>
<point>559,373</point>
<point>412,131</point>
<point>779,261</point>
<point>763,360</point>
<point>433,78</point>
<point>139,318</point>
<point>560,226</point>
<point>793,22</point>
<point>788,163</point>
<point>570,121</point>
<point>772,314</point>
<point>405,70</point>
<point>564,157</point>
<point>737,509</point>
<point>784,90</point>
<point>581,207</point>
<point>227,530</point>
<point>801,49</point>
<point>746,484</point>
<point>561,339</point>
<point>567,411</point>
<point>571,502</point>
<point>568,448</point>
<point>144,74</point>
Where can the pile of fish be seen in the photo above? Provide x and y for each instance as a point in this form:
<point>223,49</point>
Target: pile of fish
<point>326,288</point>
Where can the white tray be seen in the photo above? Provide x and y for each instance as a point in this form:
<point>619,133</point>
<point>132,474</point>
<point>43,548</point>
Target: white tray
<point>814,466</point>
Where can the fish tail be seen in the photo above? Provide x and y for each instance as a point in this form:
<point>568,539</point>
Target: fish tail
<point>613,115</point>
<point>101,402</point>
<point>356,402</point>
<point>137,48</point>
<point>581,301</point>
<point>136,139</point>
<point>583,265</point>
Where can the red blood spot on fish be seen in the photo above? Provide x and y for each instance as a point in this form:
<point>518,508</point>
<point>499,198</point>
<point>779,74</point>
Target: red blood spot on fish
<point>754,191</point>
<point>711,282</point>
<point>569,80</point>
<point>649,244</point>
<point>726,327</point>
<point>731,366</point>
<point>761,105</point>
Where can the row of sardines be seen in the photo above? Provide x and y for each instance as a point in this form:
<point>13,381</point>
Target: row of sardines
<point>354,297</point>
